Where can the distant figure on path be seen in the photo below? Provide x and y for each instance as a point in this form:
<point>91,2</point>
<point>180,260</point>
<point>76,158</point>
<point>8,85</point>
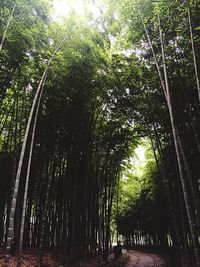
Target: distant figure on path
<point>118,250</point>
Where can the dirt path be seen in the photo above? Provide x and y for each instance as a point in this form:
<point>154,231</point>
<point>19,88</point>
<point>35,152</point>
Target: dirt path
<point>141,259</point>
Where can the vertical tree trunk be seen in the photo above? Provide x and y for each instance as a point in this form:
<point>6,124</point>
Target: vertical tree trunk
<point>186,195</point>
<point>49,175</point>
<point>16,187</point>
<point>165,87</point>
<point>162,82</point>
<point>183,257</point>
<point>21,159</point>
<point>7,26</point>
<point>28,168</point>
<point>194,54</point>
<point>193,190</point>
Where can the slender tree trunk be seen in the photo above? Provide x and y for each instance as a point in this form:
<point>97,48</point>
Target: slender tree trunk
<point>194,193</point>
<point>191,219</point>
<point>165,87</point>
<point>194,54</point>
<point>28,169</point>
<point>183,257</point>
<point>162,82</point>
<point>3,123</point>
<point>21,159</point>
<point>44,213</point>
<point>185,252</point>
<point>16,187</point>
<point>7,26</point>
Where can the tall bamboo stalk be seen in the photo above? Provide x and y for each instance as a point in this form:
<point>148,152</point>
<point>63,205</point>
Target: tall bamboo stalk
<point>21,159</point>
<point>7,26</point>
<point>162,82</point>
<point>44,214</point>
<point>17,180</point>
<point>193,53</point>
<point>165,87</point>
<point>186,195</point>
<point>28,169</point>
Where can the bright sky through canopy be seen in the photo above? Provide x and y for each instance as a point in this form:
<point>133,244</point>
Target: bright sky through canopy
<point>61,8</point>
<point>140,153</point>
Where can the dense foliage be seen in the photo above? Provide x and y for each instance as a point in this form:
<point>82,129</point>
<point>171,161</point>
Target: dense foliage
<point>143,217</point>
<point>76,97</point>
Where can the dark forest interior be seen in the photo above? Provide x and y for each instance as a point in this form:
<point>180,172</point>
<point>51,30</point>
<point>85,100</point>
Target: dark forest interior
<point>99,129</point>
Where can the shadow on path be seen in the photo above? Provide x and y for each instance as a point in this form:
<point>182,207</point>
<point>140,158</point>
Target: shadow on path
<point>142,259</point>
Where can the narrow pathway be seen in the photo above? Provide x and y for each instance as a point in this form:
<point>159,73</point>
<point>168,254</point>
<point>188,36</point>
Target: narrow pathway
<point>142,259</point>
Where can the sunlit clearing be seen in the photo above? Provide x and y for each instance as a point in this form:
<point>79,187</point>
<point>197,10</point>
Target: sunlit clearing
<point>140,153</point>
<point>137,163</point>
<point>61,8</point>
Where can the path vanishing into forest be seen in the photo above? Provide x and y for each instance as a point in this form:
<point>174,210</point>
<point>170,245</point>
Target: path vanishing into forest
<point>142,259</point>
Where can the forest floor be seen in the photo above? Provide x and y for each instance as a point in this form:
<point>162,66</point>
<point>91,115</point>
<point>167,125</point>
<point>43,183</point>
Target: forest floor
<point>136,259</point>
<point>144,259</point>
<point>30,258</point>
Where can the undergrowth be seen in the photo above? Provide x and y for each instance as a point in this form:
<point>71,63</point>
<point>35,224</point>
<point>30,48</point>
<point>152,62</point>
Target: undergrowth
<point>119,262</point>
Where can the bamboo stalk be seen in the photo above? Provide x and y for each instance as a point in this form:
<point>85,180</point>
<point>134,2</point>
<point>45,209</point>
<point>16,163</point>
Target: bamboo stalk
<point>28,169</point>
<point>7,26</point>
<point>21,159</point>
<point>193,53</point>
<point>186,195</point>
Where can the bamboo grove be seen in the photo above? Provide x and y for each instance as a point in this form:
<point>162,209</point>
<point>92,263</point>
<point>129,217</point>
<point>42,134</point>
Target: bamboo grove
<point>76,97</point>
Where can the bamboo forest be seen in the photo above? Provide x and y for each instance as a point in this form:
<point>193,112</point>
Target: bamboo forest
<point>100,133</point>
